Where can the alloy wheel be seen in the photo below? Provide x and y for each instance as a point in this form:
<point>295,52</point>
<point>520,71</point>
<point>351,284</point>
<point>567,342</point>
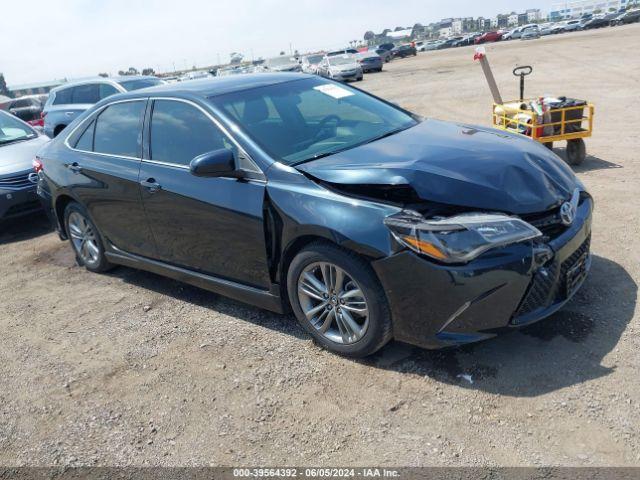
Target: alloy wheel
<point>84,240</point>
<point>333,302</point>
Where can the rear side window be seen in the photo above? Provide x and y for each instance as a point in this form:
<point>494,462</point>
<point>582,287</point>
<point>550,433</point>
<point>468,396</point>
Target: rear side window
<point>180,132</point>
<point>85,142</point>
<point>63,97</point>
<point>118,129</point>
<point>89,93</point>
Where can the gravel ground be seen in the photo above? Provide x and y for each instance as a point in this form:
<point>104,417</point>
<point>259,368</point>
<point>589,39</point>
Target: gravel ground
<point>130,368</point>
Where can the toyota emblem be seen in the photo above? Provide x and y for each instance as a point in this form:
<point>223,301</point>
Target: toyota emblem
<point>567,213</point>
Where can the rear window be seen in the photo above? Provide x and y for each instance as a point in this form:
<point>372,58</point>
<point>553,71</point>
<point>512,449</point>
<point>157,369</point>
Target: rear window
<point>89,93</point>
<point>63,97</point>
<point>118,129</point>
<point>139,83</point>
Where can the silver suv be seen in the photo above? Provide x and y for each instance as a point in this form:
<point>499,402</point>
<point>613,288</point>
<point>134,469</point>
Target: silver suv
<point>68,101</point>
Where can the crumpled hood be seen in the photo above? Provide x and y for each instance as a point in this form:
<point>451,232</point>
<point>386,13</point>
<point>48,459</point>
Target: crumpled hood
<point>454,164</point>
<point>17,157</point>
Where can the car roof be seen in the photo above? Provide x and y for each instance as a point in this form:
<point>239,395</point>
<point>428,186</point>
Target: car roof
<point>110,80</point>
<point>211,87</point>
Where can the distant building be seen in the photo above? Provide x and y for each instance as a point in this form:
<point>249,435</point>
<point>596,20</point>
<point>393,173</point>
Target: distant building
<point>34,88</point>
<point>399,34</point>
<point>533,15</point>
<point>512,21</point>
<point>456,26</point>
<point>578,8</point>
<point>445,32</point>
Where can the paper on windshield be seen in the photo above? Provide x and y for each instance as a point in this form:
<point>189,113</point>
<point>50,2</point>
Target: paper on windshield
<point>334,91</point>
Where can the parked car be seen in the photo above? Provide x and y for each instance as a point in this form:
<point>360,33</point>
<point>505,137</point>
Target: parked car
<point>420,45</point>
<point>572,25</point>
<point>292,190</point>
<point>68,101</point>
<point>433,45</point>
<point>283,63</point>
<point>449,42</point>
<point>512,34</point>
<point>27,108</point>
<point>345,51</point>
<point>310,63</point>
<point>341,67</point>
<point>466,40</point>
<point>386,46</point>
<point>630,16</point>
<point>530,33</point>
<point>488,37</point>
<point>370,62</point>
<point>385,55</point>
<point>403,51</point>
<point>19,143</point>
<point>596,22</point>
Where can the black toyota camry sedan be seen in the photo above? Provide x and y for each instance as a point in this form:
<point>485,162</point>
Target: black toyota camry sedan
<point>290,191</point>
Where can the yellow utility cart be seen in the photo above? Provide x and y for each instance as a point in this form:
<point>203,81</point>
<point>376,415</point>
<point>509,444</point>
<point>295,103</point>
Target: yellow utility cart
<point>544,119</point>
<point>570,124</point>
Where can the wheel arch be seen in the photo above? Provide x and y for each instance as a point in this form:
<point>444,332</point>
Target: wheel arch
<point>60,206</point>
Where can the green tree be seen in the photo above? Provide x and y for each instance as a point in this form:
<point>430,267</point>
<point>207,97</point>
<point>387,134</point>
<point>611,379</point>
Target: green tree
<point>3,87</point>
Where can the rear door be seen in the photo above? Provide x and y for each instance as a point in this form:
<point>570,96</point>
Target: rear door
<point>211,225</point>
<point>105,166</point>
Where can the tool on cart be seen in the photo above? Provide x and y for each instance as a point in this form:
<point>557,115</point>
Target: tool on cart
<point>544,119</point>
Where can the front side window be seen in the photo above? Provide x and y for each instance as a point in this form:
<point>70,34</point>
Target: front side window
<point>118,129</point>
<point>180,132</point>
<point>302,120</point>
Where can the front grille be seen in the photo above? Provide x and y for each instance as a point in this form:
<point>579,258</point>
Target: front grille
<point>547,287</point>
<point>541,289</point>
<point>549,223</point>
<point>16,182</point>
<point>22,208</point>
<point>579,255</point>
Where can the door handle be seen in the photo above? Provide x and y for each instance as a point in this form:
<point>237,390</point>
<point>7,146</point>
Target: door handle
<point>74,167</point>
<point>69,114</point>
<point>151,185</point>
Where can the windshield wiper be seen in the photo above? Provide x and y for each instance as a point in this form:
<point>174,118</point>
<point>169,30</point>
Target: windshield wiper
<point>14,140</point>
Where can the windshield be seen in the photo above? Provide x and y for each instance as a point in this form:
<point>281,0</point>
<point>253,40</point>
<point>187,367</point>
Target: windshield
<point>313,59</point>
<point>130,85</point>
<point>341,60</point>
<point>281,61</point>
<point>12,130</point>
<point>302,120</point>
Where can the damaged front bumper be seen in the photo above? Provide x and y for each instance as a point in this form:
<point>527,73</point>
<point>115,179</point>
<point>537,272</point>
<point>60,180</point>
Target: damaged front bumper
<point>435,305</point>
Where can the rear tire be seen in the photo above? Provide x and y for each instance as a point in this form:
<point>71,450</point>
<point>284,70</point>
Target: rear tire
<point>58,129</point>
<point>85,239</point>
<point>576,151</point>
<point>338,299</point>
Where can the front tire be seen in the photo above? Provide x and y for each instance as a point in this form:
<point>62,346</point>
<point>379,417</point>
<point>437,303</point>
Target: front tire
<point>85,239</point>
<point>338,299</point>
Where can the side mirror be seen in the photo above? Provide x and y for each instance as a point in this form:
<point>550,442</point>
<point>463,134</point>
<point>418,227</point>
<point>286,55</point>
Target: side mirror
<point>218,163</point>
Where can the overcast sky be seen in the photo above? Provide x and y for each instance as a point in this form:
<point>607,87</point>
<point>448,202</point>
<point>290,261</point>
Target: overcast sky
<point>43,40</point>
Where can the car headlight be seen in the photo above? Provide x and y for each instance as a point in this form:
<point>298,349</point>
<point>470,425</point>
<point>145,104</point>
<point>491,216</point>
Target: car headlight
<point>461,238</point>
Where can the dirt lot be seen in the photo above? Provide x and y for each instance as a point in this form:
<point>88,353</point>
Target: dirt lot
<point>133,369</point>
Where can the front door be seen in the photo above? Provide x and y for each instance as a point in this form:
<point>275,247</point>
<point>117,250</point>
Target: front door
<point>211,225</point>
